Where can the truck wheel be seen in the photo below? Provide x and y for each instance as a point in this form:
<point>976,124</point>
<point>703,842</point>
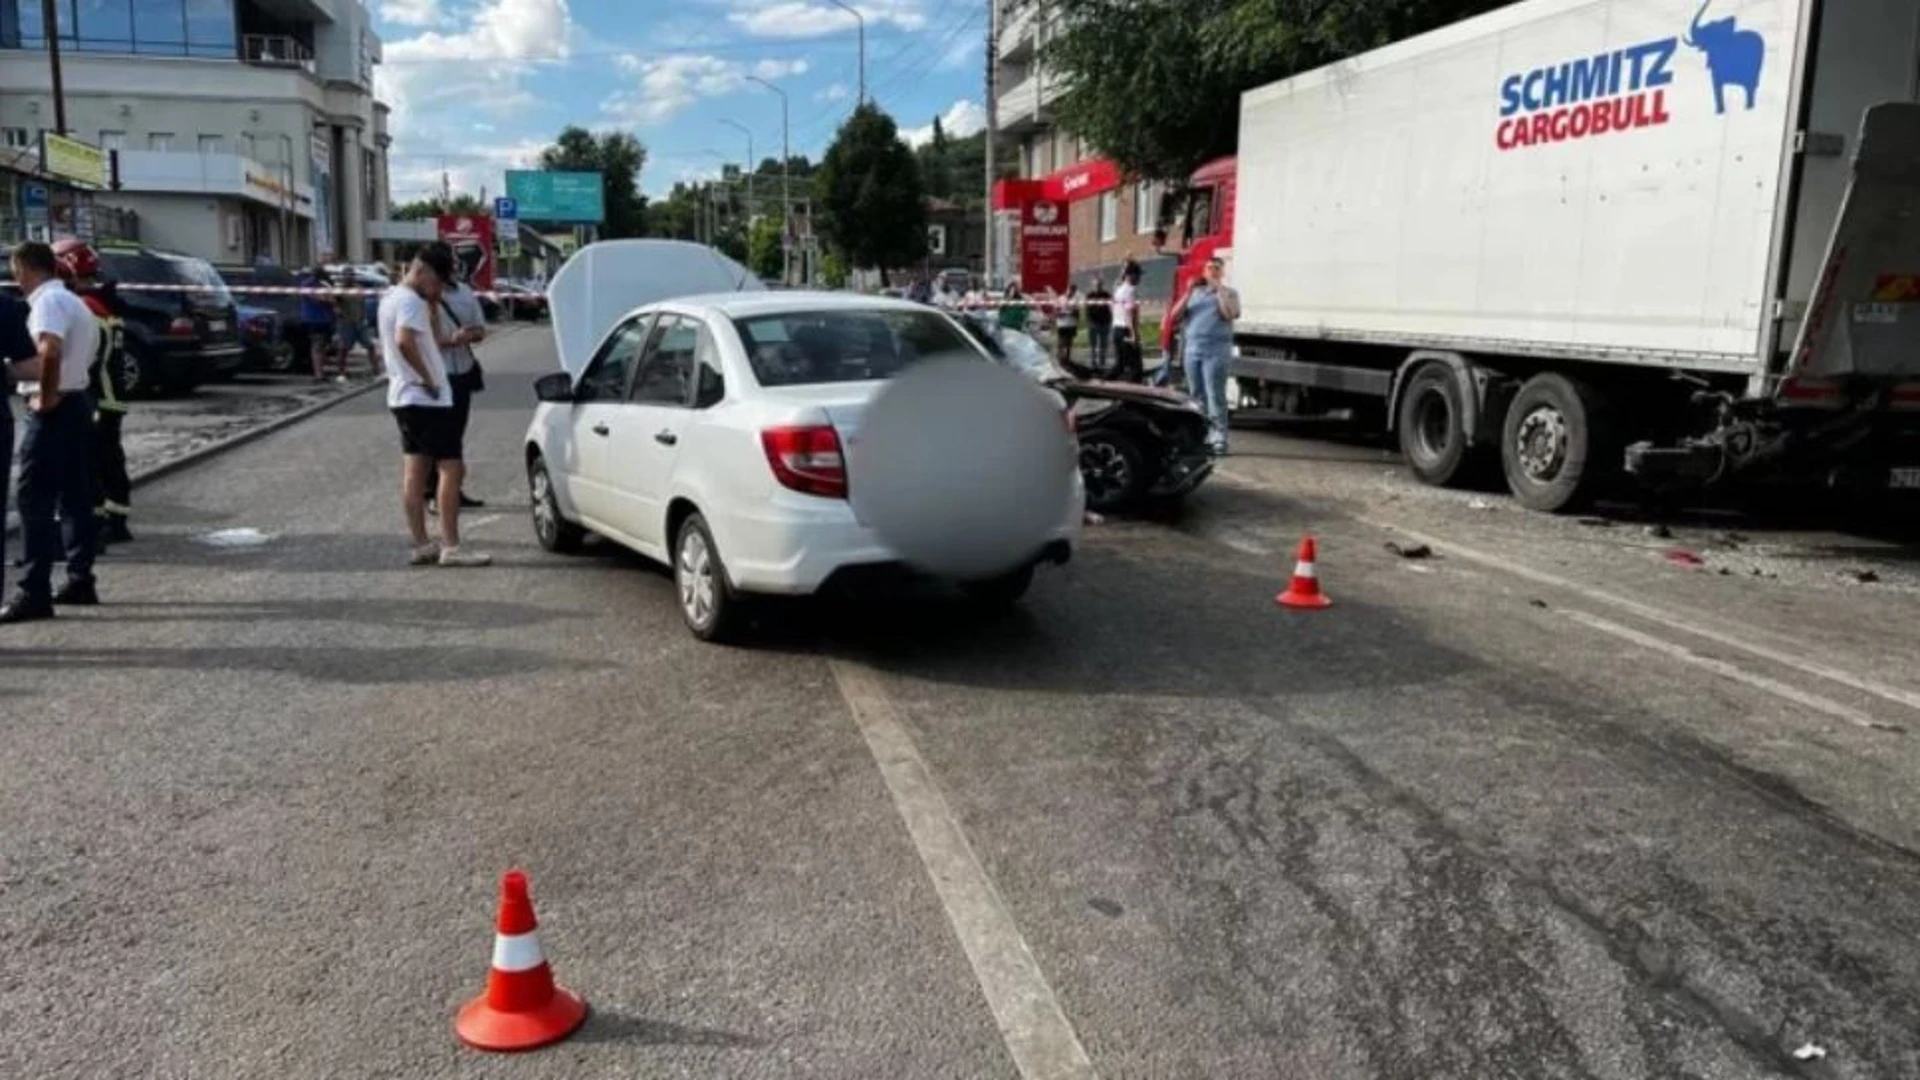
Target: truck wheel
<point>1433,427</point>
<point>1557,445</point>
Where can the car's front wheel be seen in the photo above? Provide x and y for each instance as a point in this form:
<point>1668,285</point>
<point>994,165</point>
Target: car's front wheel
<point>707,606</point>
<point>550,527</point>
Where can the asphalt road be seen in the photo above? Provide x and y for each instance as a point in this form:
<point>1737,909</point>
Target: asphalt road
<point>1543,804</point>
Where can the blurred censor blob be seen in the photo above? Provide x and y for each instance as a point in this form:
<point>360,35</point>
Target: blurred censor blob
<point>962,467</point>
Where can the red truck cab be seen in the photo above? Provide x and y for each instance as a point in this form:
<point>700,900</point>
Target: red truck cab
<point>1206,228</point>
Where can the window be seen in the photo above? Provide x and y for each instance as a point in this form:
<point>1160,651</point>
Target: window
<point>712,386</point>
<point>606,376</point>
<point>16,138</point>
<point>666,374</point>
<point>212,144</point>
<point>1109,217</point>
<point>847,345</point>
<point>145,27</point>
<point>160,26</point>
<point>1146,207</point>
<point>161,141</point>
<point>113,140</point>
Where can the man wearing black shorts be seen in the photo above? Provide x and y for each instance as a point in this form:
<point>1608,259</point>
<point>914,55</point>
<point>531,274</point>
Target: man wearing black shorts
<point>421,398</point>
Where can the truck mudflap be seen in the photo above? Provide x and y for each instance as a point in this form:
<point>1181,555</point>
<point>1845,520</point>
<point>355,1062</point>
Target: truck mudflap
<point>1860,342</point>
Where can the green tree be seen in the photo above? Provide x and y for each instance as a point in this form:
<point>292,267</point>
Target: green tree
<point>618,157</point>
<point>936,164</point>
<point>868,194</point>
<point>1156,87</point>
<point>765,256</point>
<point>833,270</point>
<point>422,209</point>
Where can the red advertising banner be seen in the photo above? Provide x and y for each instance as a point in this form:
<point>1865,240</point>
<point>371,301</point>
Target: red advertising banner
<point>471,238</point>
<point>1043,247</point>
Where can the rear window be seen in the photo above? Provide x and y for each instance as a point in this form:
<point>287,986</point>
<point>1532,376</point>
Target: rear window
<point>147,268</point>
<point>241,278</point>
<point>811,347</point>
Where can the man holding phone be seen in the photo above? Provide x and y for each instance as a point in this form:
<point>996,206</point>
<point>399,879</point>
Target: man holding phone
<point>421,399</point>
<point>1205,317</point>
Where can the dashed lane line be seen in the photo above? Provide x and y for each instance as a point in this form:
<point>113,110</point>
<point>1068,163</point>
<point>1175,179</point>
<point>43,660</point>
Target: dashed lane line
<point>1038,1036</point>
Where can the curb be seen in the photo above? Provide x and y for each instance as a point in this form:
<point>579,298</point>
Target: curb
<point>213,449</point>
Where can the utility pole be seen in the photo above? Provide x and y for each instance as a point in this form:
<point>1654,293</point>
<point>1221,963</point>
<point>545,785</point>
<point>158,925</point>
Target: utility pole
<point>861,22</point>
<point>993,135</point>
<point>786,185</point>
<point>50,18</point>
<point>752,165</point>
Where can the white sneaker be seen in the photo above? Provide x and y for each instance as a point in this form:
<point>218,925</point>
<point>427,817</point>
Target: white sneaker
<point>425,555</point>
<point>454,556</point>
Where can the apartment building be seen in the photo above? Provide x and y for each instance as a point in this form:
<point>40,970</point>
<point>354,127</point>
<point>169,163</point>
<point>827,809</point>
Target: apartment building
<point>239,129</point>
<point>1109,220</point>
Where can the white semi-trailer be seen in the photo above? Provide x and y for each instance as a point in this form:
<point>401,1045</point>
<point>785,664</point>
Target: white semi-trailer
<point>1592,238</point>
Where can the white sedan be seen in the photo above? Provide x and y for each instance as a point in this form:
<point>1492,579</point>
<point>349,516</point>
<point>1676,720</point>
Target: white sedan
<point>709,433</point>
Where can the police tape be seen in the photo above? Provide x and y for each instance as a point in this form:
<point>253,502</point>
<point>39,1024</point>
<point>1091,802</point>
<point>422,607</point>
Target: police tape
<point>1044,303</point>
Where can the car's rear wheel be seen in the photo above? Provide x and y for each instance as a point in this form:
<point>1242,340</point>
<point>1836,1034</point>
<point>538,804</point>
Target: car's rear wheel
<point>711,611</point>
<point>550,527</point>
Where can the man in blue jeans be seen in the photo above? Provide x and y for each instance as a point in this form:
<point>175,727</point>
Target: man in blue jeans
<point>1205,318</point>
<point>56,453</point>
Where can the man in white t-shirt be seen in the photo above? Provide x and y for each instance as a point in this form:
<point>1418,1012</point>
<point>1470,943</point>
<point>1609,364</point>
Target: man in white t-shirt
<point>56,450</point>
<point>421,399</point>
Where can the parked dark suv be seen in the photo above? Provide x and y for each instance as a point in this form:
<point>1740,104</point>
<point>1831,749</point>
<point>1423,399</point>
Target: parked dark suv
<point>174,340</point>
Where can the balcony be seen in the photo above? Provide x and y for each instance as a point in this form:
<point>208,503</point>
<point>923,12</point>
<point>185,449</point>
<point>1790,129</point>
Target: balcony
<point>164,172</point>
<point>276,50</point>
<point>1018,23</point>
<point>1018,109</point>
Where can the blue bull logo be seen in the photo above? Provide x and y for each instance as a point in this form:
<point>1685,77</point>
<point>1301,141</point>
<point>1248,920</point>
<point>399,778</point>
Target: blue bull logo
<point>1626,89</point>
<point>1734,56</point>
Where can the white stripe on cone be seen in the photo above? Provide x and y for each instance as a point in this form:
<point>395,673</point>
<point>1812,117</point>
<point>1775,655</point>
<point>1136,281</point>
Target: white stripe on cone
<point>517,952</point>
<point>1304,570</point>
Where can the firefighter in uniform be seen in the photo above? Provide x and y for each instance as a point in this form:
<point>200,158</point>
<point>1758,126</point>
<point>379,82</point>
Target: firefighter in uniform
<point>113,489</point>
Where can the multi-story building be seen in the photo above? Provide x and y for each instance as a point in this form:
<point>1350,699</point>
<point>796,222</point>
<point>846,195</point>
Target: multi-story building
<point>242,129</point>
<point>1110,220</point>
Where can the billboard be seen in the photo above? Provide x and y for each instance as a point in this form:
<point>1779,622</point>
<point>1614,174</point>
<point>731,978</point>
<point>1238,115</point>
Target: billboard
<point>574,198</point>
<point>1043,247</point>
<point>471,238</point>
<point>72,160</point>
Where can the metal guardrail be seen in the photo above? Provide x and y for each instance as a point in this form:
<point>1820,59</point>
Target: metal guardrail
<point>276,50</point>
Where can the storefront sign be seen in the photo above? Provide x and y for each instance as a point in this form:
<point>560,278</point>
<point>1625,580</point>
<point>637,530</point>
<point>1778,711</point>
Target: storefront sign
<point>35,204</point>
<point>320,173</point>
<point>1044,234</point>
<point>73,160</point>
<point>471,238</point>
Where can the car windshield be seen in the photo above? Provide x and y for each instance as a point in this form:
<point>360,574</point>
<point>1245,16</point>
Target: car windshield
<point>151,268</point>
<point>1013,348</point>
<point>800,348</point>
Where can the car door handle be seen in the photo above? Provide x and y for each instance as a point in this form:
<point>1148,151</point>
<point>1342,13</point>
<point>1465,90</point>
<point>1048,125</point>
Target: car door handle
<point>666,438</point>
<point>600,429</point>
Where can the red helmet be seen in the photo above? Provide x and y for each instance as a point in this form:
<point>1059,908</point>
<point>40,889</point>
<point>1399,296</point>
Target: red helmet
<point>76,258</point>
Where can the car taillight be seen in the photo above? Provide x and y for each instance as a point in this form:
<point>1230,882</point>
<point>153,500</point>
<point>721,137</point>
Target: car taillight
<point>807,459</point>
<point>180,325</point>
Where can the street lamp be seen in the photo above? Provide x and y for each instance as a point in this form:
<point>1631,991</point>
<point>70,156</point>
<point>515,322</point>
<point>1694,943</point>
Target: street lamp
<point>751,165</point>
<point>861,21</point>
<point>786,185</point>
<point>710,212</point>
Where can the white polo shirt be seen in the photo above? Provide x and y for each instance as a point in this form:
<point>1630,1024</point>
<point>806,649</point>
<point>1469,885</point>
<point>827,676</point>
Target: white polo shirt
<point>59,312</point>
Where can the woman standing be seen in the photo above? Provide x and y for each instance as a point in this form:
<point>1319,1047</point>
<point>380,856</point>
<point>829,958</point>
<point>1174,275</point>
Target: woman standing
<point>1066,322</point>
<point>1013,309</point>
<point>1205,317</point>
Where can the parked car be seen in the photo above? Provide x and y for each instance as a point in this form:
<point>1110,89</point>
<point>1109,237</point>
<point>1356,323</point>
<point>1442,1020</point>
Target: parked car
<point>708,431</point>
<point>521,300</point>
<point>176,338</point>
<point>272,352</point>
<point>1137,443</point>
<point>263,340</point>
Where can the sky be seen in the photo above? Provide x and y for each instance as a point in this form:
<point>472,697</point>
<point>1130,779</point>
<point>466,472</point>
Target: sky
<point>480,86</point>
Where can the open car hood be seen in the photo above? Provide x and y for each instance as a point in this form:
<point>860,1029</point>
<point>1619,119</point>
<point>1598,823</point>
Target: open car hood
<point>604,281</point>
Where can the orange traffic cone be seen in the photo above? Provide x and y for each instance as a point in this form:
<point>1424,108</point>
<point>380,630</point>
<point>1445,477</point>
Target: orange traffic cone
<point>522,1008</point>
<point>1304,590</point>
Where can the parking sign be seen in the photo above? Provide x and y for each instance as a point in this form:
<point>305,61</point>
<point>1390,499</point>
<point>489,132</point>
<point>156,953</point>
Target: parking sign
<point>506,208</point>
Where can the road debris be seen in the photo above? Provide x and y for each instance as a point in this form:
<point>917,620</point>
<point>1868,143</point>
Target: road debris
<point>1683,557</point>
<point>1410,551</point>
<point>1866,577</point>
<point>1659,532</point>
<point>1541,604</point>
<point>1479,504</point>
<point>1810,1052</point>
<point>235,538</point>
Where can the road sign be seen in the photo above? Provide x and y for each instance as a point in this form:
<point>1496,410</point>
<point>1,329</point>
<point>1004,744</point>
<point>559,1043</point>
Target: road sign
<point>506,208</point>
<point>562,197</point>
<point>34,197</point>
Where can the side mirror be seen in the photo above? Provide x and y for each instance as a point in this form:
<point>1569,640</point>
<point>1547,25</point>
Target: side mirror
<point>556,388</point>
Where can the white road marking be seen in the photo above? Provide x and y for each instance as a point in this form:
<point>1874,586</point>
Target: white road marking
<point>1862,683</point>
<point>480,522</point>
<point>1037,1033</point>
<point>1729,671</point>
<point>1242,545</point>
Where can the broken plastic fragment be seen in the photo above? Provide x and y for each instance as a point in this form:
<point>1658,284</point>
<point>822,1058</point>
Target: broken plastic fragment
<point>1810,1052</point>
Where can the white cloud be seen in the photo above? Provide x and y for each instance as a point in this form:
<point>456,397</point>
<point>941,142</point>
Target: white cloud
<point>807,18</point>
<point>670,84</point>
<point>962,118</point>
<point>835,92</point>
<point>441,83</point>
<point>411,12</point>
